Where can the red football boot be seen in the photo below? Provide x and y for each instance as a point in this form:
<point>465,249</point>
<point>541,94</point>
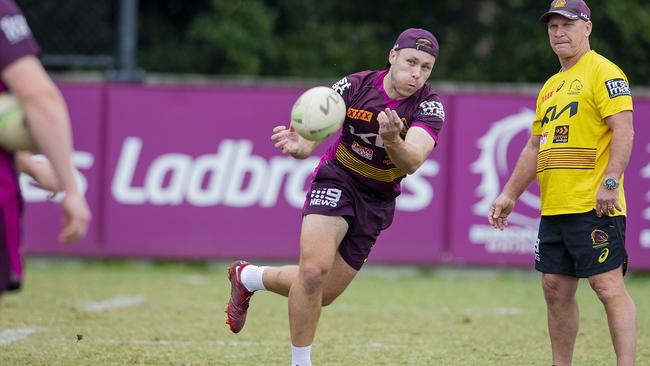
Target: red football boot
<point>239,297</point>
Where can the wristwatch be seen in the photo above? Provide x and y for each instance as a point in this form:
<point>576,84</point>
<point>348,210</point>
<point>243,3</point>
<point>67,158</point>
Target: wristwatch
<point>610,183</point>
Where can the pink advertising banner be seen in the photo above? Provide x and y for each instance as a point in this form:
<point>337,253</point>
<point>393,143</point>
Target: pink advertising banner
<point>637,189</point>
<point>42,216</point>
<point>191,173</point>
<point>489,132</point>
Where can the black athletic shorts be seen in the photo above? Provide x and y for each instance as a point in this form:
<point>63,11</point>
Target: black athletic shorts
<point>580,245</point>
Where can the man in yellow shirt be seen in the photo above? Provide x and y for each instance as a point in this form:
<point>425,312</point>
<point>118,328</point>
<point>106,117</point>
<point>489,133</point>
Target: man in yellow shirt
<point>580,146</point>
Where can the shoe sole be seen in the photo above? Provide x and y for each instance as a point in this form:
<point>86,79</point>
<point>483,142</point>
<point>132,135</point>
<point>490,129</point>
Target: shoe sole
<point>231,269</point>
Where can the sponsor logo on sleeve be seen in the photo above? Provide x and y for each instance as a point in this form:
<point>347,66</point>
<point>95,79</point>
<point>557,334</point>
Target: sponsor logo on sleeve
<point>617,88</point>
<point>15,28</point>
<point>432,108</point>
<point>561,134</point>
<point>342,85</point>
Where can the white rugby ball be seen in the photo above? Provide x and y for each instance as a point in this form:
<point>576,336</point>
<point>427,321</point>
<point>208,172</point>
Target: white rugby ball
<point>318,112</point>
<point>14,132</point>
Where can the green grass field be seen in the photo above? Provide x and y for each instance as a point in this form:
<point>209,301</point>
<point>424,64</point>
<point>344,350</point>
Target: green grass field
<point>172,314</point>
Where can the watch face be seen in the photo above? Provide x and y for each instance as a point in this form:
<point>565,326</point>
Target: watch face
<point>611,183</point>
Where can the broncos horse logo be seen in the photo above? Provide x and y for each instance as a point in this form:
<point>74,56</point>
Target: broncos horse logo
<point>492,164</point>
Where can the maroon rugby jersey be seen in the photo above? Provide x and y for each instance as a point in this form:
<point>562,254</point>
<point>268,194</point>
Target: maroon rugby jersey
<point>16,41</point>
<point>359,150</point>
<point>16,38</point>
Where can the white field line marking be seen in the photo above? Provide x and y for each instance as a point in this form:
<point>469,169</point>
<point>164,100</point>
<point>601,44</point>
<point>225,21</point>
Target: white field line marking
<point>168,342</point>
<point>196,280</point>
<point>378,345</point>
<point>495,311</point>
<point>116,302</point>
<point>508,311</point>
<point>13,335</point>
<point>225,343</point>
<point>420,310</point>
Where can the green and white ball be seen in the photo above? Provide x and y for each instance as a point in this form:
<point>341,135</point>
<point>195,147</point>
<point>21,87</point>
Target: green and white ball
<point>318,113</point>
<point>14,132</point>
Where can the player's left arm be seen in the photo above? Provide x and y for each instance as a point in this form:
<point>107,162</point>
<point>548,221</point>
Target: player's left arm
<point>40,170</point>
<point>621,145</point>
<point>409,153</point>
<point>619,156</point>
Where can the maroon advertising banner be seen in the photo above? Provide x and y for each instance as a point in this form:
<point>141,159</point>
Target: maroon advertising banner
<point>191,173</point>
<point>637,189</point>
<point>487,140</point>
<point>488,134</point>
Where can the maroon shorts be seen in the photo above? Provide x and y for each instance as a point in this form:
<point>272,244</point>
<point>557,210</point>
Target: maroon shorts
<point>11,268</point>
<point>334,192</point>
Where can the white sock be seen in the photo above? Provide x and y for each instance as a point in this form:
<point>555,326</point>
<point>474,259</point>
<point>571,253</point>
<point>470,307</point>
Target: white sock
<point>300,356</point>
<point>251,277</point>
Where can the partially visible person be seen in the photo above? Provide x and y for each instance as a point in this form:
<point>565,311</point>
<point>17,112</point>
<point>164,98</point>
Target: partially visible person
<point>47,117</point>
<point>580,146</point>
<point>392,125</point>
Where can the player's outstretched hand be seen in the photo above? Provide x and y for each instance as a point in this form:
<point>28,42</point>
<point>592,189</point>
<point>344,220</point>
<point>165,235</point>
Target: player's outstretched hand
<point>390,125</point>
<point>286,140</point>
<point>499,211</point>
<point>76,217</point>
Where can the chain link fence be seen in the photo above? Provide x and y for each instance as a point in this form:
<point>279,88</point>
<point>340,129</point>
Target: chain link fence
<point>81,35</point>
<point>74,33</point>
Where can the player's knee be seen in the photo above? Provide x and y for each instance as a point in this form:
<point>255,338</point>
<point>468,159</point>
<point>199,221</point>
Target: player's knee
<point>607,291</point>
<point>553,291</point>
<point>313,275</point>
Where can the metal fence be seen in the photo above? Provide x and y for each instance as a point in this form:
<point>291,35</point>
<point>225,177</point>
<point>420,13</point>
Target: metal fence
<point>80,34</point>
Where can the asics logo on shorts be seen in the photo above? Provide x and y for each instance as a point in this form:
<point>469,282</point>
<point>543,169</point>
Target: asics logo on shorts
<point>603,255</point>
<point>325,197</point>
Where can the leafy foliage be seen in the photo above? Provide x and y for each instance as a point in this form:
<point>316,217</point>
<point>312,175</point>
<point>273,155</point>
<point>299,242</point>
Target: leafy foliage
<point>481,40</point>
